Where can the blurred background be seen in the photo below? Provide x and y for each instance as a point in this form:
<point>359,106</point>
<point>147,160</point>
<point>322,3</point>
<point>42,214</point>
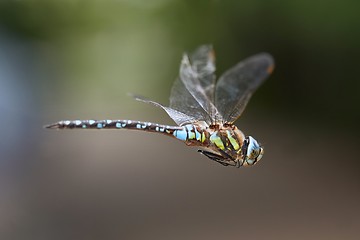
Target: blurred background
<point>77,59</point>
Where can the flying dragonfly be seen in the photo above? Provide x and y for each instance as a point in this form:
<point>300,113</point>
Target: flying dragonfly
<point>203,109</point>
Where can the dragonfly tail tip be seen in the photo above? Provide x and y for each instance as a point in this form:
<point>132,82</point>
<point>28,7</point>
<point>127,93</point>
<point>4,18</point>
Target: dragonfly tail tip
<point>52,126</point>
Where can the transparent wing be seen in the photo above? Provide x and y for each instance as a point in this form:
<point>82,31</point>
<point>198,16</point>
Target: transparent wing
<point>182,101</point>
<point>235,86</point>
<point>193,92</point>
<point>178,117</point>
<point>203,64</point>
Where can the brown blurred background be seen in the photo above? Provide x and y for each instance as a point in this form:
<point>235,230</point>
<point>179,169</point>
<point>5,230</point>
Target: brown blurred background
<point>77,59</point>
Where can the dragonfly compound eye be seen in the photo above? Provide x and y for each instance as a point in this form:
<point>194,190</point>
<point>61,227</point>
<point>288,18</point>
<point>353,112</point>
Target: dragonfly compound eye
<point>252,151</point>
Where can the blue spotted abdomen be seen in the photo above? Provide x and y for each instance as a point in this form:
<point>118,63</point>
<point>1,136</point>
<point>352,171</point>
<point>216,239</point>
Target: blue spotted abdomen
<point>191,133</point>
<point>116,124</point>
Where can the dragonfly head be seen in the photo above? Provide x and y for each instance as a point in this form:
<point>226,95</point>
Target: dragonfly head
<point>252,152</point>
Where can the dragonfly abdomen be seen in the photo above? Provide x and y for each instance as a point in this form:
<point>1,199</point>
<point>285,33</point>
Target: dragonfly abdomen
<point>115,124</point>
<point>190,134</point>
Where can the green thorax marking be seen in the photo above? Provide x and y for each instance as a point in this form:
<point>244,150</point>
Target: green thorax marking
<point>233,141</point>
<point>216,139</point>
<point>227,138</point>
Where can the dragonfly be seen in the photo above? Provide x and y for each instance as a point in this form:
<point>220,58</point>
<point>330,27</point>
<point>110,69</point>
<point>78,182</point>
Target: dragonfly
<point>203,108</point>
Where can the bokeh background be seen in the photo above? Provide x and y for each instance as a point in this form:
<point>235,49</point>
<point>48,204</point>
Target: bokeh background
<point>77,59</point>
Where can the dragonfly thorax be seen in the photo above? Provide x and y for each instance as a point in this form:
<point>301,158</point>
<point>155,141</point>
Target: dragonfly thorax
<point>227,143</point>
<point>227,137</point>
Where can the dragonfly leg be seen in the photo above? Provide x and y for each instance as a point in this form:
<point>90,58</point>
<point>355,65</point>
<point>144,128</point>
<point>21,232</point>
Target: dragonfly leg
<point>215,157</point>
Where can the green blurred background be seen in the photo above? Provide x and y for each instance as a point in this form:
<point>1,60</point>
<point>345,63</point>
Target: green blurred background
<point>76,59</point>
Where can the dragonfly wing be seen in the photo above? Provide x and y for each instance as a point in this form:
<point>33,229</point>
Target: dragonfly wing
<point>193,91</point>
<point>203,63</point>
<point>182,101</point>
<point>235,86</point>
<point>178,117</point>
